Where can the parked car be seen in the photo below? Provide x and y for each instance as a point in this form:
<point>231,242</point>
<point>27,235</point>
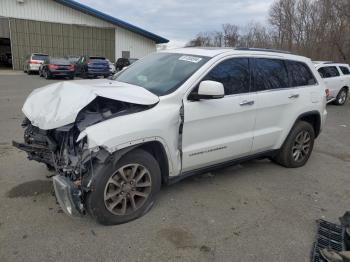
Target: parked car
<point>337,79</point>
<point>56,67</point>
<point>92,66</point>
<point>32,62</point>
<point>124,62</point>
<point>73,59</point>
<point>171,115</point>
<point>111,66</point>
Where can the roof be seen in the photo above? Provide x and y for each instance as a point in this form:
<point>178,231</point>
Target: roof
<point>214,51</point>
<point>319,64</point>
<point>115,21</point>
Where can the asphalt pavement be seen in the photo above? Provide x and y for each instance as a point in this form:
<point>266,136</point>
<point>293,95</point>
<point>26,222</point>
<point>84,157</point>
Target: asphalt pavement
<point>256,211</point>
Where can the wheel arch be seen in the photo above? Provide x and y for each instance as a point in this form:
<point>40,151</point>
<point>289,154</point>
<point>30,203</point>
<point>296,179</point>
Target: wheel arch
<point>312,117</point>
<point>156,149</point>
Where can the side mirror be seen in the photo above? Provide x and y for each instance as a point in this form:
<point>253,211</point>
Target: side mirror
<point>210,90</point>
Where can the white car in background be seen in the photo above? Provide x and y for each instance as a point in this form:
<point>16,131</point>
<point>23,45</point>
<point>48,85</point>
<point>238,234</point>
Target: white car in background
<point>337,79</point>
<point>115,142</point>
<point>33,61</point>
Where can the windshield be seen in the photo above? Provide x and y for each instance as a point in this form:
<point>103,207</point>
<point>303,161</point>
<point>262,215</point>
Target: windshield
<point>161,73</point>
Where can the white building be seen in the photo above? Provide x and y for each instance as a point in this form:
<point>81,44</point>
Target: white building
<point>66,27</point>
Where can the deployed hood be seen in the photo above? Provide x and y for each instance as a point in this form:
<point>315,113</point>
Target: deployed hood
<point>58,104</point>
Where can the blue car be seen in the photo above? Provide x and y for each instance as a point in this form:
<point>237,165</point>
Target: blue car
<point>92,67</point>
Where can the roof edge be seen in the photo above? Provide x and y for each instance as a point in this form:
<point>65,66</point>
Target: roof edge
<point>115,21</point>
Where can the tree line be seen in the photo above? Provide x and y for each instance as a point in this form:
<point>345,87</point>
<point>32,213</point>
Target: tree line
<point>319,29</point>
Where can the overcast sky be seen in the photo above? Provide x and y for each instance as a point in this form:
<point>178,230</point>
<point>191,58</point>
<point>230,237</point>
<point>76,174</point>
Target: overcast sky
<point>181,20</point>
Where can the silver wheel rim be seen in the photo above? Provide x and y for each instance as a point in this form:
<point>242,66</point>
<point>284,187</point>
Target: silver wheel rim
<point>342,97</point>
<point>301,146</point>
<point>127,189</point>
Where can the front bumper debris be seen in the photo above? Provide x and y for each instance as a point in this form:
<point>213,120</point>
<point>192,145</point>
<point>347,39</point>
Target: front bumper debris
<point>68,196</point>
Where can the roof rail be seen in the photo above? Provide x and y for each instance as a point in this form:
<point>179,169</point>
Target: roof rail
<point>262,49</point>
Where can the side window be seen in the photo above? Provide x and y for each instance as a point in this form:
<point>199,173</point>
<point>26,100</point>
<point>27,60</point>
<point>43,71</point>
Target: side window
<point>345,70</point>
<point>328,71</point>
<point>233,74</point>
<point>270,74</point>
<point>300,74</point>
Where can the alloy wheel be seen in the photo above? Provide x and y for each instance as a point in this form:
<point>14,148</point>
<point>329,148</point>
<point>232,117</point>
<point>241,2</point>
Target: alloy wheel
<point>301,146</point>
<point>127,189</point>
<point>342,97</point>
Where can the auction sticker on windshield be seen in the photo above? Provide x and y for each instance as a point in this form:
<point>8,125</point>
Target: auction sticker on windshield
<point>192,59</point>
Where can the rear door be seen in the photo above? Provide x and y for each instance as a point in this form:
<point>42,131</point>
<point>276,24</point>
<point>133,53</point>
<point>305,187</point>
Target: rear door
<point>218,130</point>
<point>332,79</point>
<point>281,95</point>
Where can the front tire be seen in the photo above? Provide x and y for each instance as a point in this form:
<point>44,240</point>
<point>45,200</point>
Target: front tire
<point>298,146</point>
<point>341,97</point>
<point>124,190</point>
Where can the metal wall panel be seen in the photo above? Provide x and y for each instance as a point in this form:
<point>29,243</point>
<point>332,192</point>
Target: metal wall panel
<point>48,11</point>
<point>4,28</point>
<point>59,40</point>
<point>137,45</point>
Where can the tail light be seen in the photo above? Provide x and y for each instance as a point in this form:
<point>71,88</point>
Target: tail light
<point>71,68</point>
<point>34,62</point>
<point>327,92</point>
<point>51,66</point>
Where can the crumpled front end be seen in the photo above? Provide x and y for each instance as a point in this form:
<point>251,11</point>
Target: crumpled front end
<point>73,160</point>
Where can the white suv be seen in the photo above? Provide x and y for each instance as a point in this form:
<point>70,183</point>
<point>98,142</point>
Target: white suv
<point>172,114</point>
<point>337,79</point>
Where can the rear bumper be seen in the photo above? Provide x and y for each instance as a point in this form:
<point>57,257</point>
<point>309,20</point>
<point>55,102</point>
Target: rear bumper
<point>61,73</point>
<point>68,196</point>
<point>98,73</point>
<point>33,67</point>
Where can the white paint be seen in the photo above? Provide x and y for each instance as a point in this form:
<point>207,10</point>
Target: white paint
<point>335,84</point>
<point>58,104</point>
<point>214,130</point>
<point>138,45</point>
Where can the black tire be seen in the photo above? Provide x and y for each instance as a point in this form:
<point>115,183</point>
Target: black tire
<point>71,77</point>
<point>341,97</point>
<point>97,205</point>
<point>47,75</point>
<point>285,155</point>
<point>29,72</point>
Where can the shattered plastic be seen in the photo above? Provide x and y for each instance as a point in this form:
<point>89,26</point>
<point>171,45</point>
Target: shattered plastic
<point>58,104</point>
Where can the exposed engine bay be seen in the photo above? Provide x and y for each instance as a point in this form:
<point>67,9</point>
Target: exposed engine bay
<point>59,150</point>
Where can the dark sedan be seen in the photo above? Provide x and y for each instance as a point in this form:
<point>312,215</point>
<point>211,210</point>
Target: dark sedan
<point>93,66</point>
<point>57,67</point>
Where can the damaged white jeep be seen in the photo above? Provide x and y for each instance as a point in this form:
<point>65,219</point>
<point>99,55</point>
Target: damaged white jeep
<point>114,142</point>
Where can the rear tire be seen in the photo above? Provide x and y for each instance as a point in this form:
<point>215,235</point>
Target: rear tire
<point>124,190</point>
<point>298,146</point>
<point>341,97</point>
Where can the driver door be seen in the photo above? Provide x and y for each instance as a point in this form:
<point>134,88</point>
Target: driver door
<point>219,130</point>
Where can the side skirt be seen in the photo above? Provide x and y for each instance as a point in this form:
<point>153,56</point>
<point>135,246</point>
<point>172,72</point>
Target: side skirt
<point>232,162</point>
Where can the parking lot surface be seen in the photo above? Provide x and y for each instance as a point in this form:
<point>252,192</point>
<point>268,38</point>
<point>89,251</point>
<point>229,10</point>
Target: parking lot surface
<point>256,211</point>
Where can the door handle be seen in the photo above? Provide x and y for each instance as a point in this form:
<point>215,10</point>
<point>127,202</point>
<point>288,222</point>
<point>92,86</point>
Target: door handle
<point>293,96</point>
<point>247,103</point>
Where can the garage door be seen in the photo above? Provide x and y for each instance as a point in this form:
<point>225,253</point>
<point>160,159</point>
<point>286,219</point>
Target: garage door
<point>59,40</point>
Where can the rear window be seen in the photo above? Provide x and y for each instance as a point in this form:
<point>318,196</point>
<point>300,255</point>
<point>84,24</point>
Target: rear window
<point>39,57</point>
<point>345,70</point>
<point>97,58</point>
<point>270,74</point>
<point>300,74</point>
<point>59,61</point>
<point>328,72</point>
